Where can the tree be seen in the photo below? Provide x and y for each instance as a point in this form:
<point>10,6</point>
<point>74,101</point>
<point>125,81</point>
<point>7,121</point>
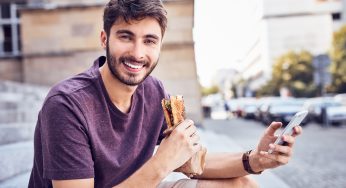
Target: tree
<point>210,90</point>
<point>293,71</point>
<point>338,65</point>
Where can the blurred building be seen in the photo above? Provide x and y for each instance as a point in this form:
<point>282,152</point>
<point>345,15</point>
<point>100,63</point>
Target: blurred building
<point>286,25</point>
<point>45,41</point>
<point>223,80</point>
<point>344,11</point>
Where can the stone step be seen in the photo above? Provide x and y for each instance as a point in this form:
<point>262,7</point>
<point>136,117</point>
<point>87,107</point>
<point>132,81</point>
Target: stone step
<point>11,96</point>
<point>16,100</point>
<point>18,110</point>
<point>15,159</point>
<point>16,132</point>
<point>18,181</point>
<point>10,116</point>
<point>9,105</point>
<point>19,115</point>
<point>8,86</point>
<point>14,97</point>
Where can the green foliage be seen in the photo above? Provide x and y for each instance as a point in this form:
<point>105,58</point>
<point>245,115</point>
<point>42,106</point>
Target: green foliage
<point>209,90</point>
<point>293,71</point>
<point>269,89</point>
<point>338,65</point>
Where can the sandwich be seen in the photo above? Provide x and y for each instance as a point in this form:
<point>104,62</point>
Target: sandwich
<point>174,112</point>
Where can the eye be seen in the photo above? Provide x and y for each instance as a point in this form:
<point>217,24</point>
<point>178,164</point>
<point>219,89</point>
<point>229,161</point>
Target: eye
<point>149,41</point>
<point>125,37</point>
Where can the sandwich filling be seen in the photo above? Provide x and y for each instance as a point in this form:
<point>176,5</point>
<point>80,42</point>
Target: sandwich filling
<point>168,107</point>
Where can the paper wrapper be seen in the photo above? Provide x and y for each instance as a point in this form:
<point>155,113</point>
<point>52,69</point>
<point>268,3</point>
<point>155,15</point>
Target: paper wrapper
<point>195,165</point>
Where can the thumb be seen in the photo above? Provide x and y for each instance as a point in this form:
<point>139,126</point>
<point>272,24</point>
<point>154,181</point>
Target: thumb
<point>272,128</point>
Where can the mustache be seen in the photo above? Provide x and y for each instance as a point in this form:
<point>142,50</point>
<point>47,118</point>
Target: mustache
<point>132,59</point>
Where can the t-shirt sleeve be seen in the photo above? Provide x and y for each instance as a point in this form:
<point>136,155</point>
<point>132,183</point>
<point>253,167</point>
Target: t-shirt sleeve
<point>65,143</point>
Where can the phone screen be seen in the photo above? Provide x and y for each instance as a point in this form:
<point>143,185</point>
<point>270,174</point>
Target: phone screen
<point>296,120</point>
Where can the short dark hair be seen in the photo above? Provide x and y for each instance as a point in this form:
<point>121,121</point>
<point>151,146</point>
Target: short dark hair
<point>134,10</point>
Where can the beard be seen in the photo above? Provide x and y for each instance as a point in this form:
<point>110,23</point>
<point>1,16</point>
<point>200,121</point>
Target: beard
<point>128,78</point>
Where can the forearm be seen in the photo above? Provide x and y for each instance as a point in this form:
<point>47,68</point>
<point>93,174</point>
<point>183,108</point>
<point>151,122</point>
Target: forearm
<point>149,175</point>
<point>226,165</point>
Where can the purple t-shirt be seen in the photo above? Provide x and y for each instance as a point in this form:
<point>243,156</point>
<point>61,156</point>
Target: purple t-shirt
<point>81,134</point>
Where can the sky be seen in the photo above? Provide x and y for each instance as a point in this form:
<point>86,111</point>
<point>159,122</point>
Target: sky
<point>223,33</point>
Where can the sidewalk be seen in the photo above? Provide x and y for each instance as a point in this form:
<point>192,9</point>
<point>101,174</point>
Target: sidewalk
<point>221,143</point>
<point>212,141</point>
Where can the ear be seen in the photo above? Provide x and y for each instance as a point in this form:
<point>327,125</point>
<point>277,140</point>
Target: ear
<point>103,38</point>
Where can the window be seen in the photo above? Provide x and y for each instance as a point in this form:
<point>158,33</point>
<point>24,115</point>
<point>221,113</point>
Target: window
<point>10,44</point>
<point>336,16</point>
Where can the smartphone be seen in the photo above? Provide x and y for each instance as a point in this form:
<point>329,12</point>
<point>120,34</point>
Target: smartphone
<point>296,120</point>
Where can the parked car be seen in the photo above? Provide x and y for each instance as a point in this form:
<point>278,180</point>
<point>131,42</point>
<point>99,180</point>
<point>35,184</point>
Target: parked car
<point>237,106</point>
<point>341,98</point>
<point>249,110</point>
<point>283,110</point>
<point>316,105</point>
<point>263,106</point>
<point>336,115</point>
<point>234,108</point>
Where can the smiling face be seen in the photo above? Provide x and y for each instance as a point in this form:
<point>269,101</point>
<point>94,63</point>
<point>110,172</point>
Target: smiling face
<point>133,49</point>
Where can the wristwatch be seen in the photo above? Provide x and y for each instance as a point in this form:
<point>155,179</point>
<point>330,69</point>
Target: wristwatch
<point>246,163</point>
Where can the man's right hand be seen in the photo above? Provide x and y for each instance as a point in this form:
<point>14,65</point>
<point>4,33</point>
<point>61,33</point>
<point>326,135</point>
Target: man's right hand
<point>179,146</point>
<point>172,153</point>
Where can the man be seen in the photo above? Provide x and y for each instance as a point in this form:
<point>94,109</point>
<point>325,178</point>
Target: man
<point>99,128</point>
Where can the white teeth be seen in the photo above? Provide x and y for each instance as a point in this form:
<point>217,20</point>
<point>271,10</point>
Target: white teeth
<point>133,66</point>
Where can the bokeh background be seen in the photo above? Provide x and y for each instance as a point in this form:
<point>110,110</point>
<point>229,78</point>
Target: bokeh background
<point>240,64</point>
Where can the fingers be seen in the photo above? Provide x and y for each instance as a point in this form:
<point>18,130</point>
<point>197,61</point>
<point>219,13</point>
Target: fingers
<point>180,127</point>
<point>191,131</point>
<point>279,158</point>
<point>272,128</point>
<point>281,153</point>
<point>282,150</point>
<point>289,140</point>
<point>185,124</point>
<point>297,130</point>
<point>168,131</point>
<point>195,138</point>
<point>185,131</point>
<point>197,147</point>
<point>188,127</point>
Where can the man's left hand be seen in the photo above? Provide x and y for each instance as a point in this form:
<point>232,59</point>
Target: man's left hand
<point>262,160</point>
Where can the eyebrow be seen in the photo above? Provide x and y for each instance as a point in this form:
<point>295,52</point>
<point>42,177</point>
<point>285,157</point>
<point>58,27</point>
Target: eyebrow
<point>124,31</point>
<point>152,36</point>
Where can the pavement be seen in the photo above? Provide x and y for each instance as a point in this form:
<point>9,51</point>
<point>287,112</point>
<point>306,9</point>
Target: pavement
<point>212,141</point>
<point>220,143</point>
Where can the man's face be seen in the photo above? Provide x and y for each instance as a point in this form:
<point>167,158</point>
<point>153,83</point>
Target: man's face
<point>133,50</point>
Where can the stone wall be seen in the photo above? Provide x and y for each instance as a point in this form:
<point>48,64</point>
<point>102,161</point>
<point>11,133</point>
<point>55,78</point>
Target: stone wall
<point>61,42</point>
<point>62,30</point>
<point>179,76</point>
<point>67,2</point>
<point>180,22</point>
<point>48,70</point>
<point>11,69</point>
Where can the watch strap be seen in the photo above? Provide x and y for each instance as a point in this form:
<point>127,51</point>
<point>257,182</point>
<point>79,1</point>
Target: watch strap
<point>246,163</point>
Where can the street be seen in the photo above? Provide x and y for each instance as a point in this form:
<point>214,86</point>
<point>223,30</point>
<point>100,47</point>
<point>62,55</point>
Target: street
<point>319,155</point>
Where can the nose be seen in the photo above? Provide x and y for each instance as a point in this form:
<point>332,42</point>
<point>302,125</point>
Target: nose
<point>138,51</point>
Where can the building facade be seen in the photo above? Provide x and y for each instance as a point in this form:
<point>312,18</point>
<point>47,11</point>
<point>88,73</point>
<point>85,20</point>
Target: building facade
<point>52,40</point>
<point>289,25</point>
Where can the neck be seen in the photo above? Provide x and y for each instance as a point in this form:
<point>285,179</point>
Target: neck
<point>119,93</point>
